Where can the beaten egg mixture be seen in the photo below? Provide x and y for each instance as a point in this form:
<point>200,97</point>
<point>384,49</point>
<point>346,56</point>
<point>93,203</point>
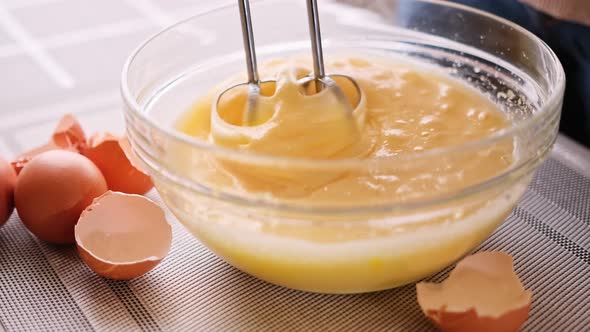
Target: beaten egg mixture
<point>404,110</point>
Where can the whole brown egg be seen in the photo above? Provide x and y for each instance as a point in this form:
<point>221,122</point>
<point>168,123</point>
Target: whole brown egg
<point>52,190</point>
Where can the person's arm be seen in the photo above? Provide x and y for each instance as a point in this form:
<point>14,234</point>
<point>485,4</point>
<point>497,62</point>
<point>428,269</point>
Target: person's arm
<point>577,11</point>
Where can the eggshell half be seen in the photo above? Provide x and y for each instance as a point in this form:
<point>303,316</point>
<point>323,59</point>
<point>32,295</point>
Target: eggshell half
<point>118,164</point>
<point>122,236</point>
<point>482,294</point>
<point>7,183</point>
<point>67,135</point>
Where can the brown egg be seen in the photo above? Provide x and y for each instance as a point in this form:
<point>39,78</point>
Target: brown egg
<point>118,164</point>
<point>122,236</point>
<point>481,294</point>
<point>68,135</point>
<point>52,190</point>
<point>7,182</point>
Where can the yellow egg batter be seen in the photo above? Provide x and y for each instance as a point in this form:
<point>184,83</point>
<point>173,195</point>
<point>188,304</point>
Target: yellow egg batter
<point>405,110</point>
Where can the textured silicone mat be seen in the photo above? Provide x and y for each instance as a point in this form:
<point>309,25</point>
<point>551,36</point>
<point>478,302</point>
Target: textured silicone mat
<point>60,56</point>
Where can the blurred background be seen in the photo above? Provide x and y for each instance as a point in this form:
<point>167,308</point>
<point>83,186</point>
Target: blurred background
<point>60,56</point>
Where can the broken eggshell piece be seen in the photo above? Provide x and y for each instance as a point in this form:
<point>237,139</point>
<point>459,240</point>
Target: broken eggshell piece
<point>481,294</point>
<point>122,236</point>
<point>118,164</point>
<point>67,135</point>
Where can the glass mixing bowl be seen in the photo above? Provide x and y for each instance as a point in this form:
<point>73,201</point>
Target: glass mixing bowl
<point>344,246</point>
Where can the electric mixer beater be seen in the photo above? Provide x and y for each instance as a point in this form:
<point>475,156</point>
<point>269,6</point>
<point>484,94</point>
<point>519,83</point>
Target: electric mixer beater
<point>320,79</point>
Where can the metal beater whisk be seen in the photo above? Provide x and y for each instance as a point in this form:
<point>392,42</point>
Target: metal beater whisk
<point>318,77</point>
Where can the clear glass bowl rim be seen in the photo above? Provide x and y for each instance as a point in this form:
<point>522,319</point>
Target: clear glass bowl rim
<point>551,106</point>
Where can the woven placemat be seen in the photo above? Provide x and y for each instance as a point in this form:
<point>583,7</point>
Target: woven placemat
<point>45,287</point>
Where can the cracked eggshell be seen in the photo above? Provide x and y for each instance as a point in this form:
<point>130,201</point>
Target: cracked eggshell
<point>481,294</point>
<point>118,164</point>
<point>122,236</point>
<point>67,135</point>
<point>7,183</point>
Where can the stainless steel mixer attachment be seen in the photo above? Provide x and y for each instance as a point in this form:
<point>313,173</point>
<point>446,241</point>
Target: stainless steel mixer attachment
<point>318,76</point>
